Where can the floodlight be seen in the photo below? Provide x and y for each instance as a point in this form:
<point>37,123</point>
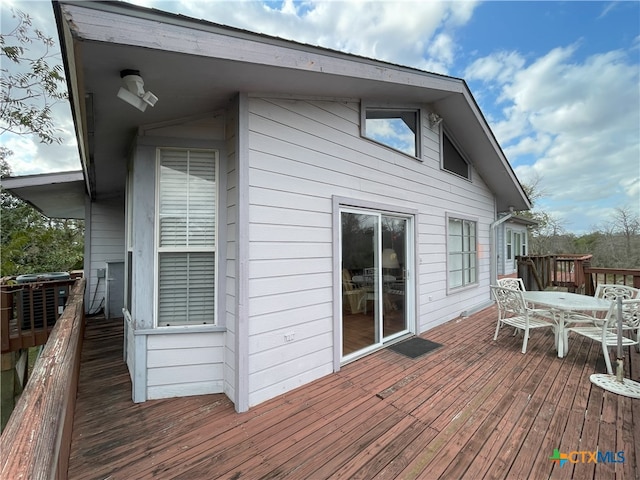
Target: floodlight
<point>434,119</point>
<point>133,90</point>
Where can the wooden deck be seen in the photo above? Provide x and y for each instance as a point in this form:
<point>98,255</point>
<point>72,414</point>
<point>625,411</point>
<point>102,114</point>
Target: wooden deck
<point>472,409</point>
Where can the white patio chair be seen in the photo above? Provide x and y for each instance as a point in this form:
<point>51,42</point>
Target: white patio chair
<point>610,291</point>
<point>511,282</point>
<point>606,291</point>
<point>607,331</point>
<point>513,311</point>
<point>516,283</point>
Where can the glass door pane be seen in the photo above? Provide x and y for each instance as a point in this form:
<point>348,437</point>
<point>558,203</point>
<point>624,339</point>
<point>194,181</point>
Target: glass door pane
<point>394,275</point>
<point>361,281</point>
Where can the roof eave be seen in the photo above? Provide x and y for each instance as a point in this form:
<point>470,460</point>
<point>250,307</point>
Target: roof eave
<point>55,195</point>
<point>201,39</point>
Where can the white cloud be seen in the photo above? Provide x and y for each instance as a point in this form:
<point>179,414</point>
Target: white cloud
<point>530,145</point>
<point>631,186</point>
<point>570,119</point>
<point>572,123</point>
<point>25,150</point>
<point>500,67</point>
<point>29,155</point>
<point>410,33</point>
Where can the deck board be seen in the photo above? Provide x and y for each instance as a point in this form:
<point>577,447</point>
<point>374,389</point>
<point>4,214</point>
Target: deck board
<point>474,408</point>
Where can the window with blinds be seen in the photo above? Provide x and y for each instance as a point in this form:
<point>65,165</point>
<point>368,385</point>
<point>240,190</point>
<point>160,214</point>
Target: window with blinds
<point>186,236</point>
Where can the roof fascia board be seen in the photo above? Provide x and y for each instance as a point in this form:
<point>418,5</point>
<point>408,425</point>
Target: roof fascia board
<point>55,195</point>
<point>147,28</point>
<point>78,106</point>
<point>491,139</point>
<point>471,101</point>
<point>162,31</point>
<point>41,179</point>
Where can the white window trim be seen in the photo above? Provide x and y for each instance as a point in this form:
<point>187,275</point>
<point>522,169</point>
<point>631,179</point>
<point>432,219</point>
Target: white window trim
<point>364,106</point>
<point>524,242</point>
<point>157,249</point>
<point>449,216</point>
<point>508,242</point>
<point>410,278</point>
<point>340,203</point>
<point>129,239</point>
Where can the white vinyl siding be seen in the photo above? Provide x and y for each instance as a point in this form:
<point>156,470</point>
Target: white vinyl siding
<point>184,364</point>
<point>302,153</point>
<point>186,236</point>
<point>106,232</point>
<point>231,281</point>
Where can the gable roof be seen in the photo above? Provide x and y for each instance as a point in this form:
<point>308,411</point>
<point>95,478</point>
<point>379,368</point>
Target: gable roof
<point>195,66</point>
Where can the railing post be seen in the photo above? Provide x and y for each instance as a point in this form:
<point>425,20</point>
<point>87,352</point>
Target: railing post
<point>589,286</point>
<point>6,313</point>
<point>7,383</point>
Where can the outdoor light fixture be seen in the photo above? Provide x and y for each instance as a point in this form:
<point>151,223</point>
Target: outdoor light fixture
<point>133,90</point>
<point>434,119</point>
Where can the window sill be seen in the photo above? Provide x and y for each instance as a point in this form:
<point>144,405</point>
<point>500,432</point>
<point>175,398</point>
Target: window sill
<point>463,288</point>
<point>181,329</point>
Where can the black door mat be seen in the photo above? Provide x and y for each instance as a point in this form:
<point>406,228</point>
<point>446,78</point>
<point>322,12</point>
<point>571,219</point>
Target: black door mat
<point>415,347</point>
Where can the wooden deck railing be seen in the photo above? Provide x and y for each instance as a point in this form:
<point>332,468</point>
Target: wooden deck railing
<point>573,272</point>
<point>540,272</point>
<point>29,311</point>
<point>35,443</point>
<point>620,276</point>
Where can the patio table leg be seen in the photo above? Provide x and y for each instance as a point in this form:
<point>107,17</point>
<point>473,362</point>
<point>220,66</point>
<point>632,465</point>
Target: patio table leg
<point>561,336</point>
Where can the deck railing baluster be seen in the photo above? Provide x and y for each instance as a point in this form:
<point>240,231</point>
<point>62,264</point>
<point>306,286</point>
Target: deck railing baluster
<point>571,271</point>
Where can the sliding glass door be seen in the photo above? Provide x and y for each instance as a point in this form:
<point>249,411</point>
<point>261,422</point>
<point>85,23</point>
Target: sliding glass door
<point>375,259</point>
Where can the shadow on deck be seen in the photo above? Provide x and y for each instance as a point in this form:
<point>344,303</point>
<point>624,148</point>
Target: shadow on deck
<point>472,409</point>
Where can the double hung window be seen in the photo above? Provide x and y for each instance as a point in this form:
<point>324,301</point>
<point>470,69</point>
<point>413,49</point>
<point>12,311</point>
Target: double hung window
<point>462,252</point>
<point>186,236</point>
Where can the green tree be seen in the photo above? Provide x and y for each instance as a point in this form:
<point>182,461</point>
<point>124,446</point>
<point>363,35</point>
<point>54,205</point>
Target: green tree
<point>30,84</point>
<point>31,242</point>
<point>549,235</point>
<point>618,240</point>
<point>627,224</point>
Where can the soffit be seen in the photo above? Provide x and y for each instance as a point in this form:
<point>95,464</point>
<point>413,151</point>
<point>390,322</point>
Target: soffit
<point>57,195</point>
<point>184,64</point>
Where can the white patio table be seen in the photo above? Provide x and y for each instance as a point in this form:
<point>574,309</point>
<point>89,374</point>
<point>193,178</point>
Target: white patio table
<point>563,303</point>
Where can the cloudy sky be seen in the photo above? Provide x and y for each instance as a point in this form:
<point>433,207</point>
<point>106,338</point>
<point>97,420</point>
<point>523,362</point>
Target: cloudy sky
<point>559,82</point>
